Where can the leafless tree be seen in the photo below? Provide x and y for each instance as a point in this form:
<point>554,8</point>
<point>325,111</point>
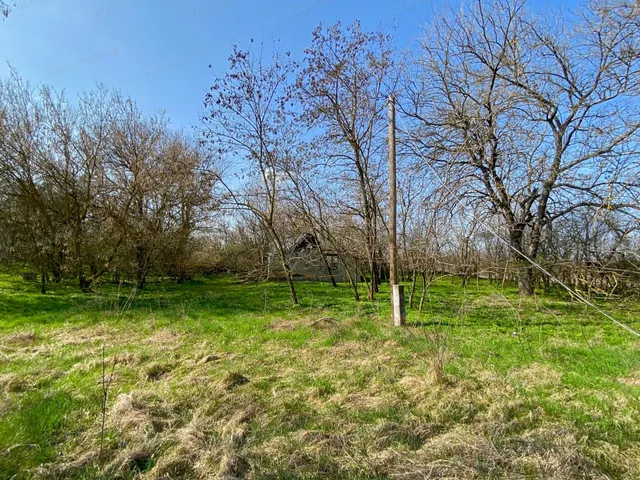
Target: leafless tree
<point>313,200</point>
<point>160,184</point>
<point>535,119</point>
<point>343,88</point>
<point>29,197</point>
<point>248,120</point>
<point>82,182</point>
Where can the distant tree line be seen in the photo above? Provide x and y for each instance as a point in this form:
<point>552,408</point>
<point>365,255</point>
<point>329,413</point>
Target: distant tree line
<point>95,188</point>
<point>518,138</point>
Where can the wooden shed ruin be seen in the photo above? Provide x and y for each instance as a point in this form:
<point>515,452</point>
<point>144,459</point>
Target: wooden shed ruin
<point>309,261</point>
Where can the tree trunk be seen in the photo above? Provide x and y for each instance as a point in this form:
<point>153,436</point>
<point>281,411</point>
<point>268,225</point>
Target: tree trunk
<point>292,288</point>
<point>353,279</point>
<point>525,269</point>
<point>327,267</point>
<point>85,283</point>
<point>43,280</point>
<point>379,277</point>
<point>414,277</point>
<point>372,279</point>
<point>56,267</point>
<point>285,265</point>
<point>423,294</point>
<point>525,279</point>
<point>352,276</point>
<point>361,275</point>
<point>546,282</point>
<point>141,273</point>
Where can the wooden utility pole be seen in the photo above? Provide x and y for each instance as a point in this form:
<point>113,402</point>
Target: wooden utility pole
<point>393,247</point>
<point>398,314</point>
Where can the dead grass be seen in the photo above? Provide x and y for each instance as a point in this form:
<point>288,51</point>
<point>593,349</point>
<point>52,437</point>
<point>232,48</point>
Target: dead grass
<point>221,426</point>
<point>283,325</point>
<point>13,383</point>
<point>632,380</point>
<point>536,375</point>
<point>78,336</point>
<point>165,338</point>
<point>21,339</point>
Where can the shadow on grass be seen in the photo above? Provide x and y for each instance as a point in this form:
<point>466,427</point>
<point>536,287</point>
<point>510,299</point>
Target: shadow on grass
<point>219,297</point>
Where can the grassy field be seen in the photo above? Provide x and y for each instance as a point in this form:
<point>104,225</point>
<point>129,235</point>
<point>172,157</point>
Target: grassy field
<point>215,379</point>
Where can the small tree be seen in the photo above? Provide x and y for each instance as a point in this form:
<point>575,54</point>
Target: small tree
<point>344,88</point>
<point>248,120</point>
<point>161,187</point>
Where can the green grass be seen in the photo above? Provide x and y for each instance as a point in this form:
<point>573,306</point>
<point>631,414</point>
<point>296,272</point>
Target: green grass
<point>214,377</point>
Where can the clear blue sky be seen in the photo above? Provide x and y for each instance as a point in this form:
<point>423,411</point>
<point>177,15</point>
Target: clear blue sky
<point>159,52</point>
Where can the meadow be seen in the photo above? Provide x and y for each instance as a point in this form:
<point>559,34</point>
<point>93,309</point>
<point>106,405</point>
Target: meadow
<point>216,378</point>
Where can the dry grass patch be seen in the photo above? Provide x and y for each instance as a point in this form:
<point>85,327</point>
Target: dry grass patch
<point>14,383</point>
<point>413,432</point>
<point>187,457</point>
<point>208,359</point>
<point>129,415</point>
<point>553,451</point>
<point>21,339</point>
<point>536,375</point>
<point>360,401</point>
<point>76,336</point>
<point>320,398</point>
<point>165,339</point>
<point>284,325</point>
<point>211,426</point>
<point>632,380</point>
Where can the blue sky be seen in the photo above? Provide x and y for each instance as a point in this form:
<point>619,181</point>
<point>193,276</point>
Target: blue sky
<point>159,52</point>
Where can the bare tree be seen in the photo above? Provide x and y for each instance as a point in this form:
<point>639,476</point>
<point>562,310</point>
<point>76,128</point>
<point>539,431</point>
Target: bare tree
<point>249,121</point>
<point>85,183</point>
<point>160,185</point>
<point>534,119</point>
<point>74,166</point>
<point>344,88</point>
<point>29,197</point>
<point>312,199</point>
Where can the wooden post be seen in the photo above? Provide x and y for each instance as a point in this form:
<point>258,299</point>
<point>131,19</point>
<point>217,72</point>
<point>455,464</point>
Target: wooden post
<point>398,314</point>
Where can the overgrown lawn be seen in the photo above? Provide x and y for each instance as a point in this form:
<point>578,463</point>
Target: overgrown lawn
<point>219,379</point>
